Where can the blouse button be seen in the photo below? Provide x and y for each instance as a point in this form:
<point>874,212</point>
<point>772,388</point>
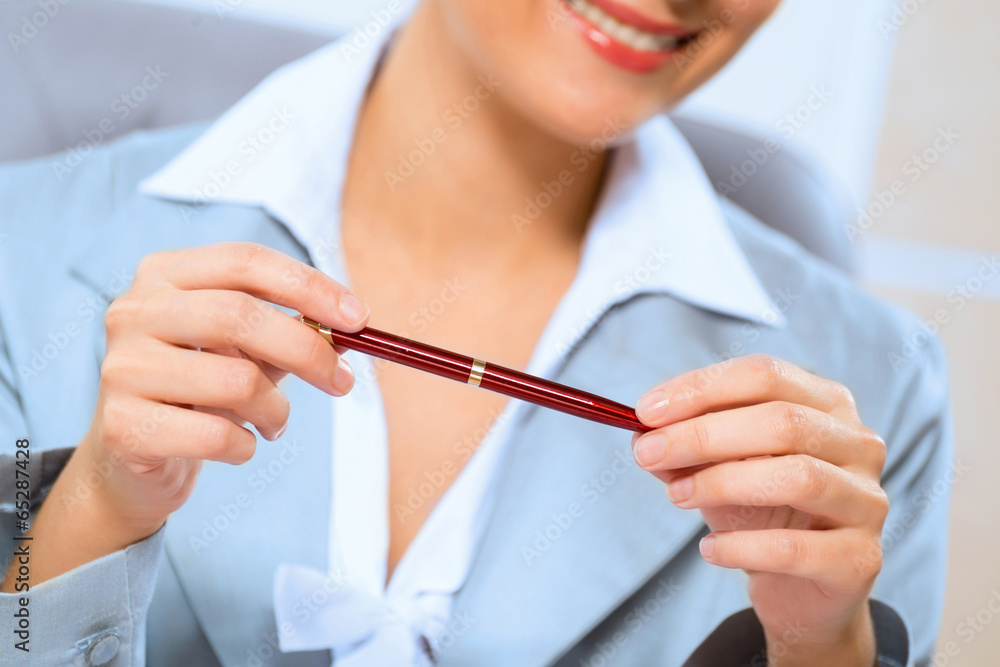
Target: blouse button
<point>104,649</point>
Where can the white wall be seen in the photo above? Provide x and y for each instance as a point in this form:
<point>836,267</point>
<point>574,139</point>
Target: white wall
<point>808,47</point>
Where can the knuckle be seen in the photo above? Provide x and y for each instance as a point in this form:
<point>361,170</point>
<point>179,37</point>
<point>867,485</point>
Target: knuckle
<point>791,422</point>
<point>790,552</point>
<point>881,503</point>
<point>233,319</point>
<point>114,369</point>
<point>305,279</point>
<point>869,558</point>
<point>311,354</point>
<point>150,264</point>
<point>242,258</point>
<point>243,382</point>
<point>842,395</point>
<point>875,448</point>
<point>700,437</point>
<point>810,477</point>
<point>213,436</point>
<point>115,418</point>
<point>771,371</point>
<point>120,314</point>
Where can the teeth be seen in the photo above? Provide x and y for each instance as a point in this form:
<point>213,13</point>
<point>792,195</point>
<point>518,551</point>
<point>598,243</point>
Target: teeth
<point>606,24</point>
<point>626,34</point>
<point>646,42</point>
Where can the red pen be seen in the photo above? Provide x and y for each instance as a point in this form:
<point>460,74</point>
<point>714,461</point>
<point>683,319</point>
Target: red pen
<point>481,374</point>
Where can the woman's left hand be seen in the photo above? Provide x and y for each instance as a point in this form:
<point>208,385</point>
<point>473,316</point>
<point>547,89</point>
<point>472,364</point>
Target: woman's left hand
<point>787,478</point>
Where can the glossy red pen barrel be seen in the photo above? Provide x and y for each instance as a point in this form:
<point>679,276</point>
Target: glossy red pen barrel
<point>481,374</point>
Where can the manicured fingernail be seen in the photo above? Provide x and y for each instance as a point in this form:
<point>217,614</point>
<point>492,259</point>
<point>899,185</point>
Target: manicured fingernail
<point>652,406</point>
<point>353,309</point>
<point>680,489</point>
<point>649,449</point>
<point>707,547</point>
<point>281,431</point>
<point>343,377</point>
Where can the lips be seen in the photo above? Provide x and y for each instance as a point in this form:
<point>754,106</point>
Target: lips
<point>625,37</point>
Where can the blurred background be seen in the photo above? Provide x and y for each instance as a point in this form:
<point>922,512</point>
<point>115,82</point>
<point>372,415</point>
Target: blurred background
<point>892,102</point>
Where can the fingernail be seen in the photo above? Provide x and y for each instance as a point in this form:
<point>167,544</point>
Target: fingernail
<point>281,431</point>
<point>680,489</point>
<point>707,547</point>
<point>649,449</point>
<point>343,377</point>
<point>652,405</point>
<point>353,309</point>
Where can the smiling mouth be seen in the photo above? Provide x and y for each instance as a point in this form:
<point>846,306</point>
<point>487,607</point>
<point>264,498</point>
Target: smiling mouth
<point>624,37</point>
<point>628,34</point>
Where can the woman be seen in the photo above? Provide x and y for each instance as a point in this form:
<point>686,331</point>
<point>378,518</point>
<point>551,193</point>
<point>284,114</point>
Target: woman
<point>494,178</point>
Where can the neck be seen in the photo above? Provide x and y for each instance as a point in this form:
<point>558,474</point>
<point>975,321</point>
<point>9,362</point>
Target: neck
<point>442,162</point>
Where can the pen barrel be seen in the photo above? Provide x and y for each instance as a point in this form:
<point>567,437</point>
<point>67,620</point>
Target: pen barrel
<point>495,378</point>
<point>403,351</point>
<point>559,397</point>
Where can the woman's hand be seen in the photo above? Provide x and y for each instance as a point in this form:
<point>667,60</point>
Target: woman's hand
<point>194,352</point>
<point>787,478</point>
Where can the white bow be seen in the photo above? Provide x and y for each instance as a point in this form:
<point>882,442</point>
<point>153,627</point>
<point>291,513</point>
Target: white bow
<point>315,611</point>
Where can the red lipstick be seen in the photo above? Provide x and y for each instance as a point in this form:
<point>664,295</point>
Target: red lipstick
<point>610,44</point>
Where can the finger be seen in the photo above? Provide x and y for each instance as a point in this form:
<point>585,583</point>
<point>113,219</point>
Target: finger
<point>262,272</point>
<point>188,377</point>
<point>273,373</point>
<point>220,319</point>
<point>841,559</point>
<point>756,378</point>
<point>158,431</point>
<point>766,429</point>
<point>804,483</point>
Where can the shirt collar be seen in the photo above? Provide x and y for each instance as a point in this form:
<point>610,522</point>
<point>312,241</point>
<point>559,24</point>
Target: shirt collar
<point>658,227</point>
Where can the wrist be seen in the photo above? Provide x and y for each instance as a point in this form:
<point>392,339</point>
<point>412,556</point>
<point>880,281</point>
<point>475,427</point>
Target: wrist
<point>853,644</point>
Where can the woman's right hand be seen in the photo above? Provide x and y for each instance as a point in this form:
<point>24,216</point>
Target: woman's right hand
<point>194,352</point>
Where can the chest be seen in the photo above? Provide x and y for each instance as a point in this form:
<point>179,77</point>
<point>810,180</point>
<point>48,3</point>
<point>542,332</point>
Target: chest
<point>435,425</point>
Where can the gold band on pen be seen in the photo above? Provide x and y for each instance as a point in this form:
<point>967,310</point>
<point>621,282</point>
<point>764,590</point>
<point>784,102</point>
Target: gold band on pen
<point>476,374</point>
<point>324,331</point>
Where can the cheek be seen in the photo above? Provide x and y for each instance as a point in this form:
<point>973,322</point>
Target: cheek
<point>745,16</point>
